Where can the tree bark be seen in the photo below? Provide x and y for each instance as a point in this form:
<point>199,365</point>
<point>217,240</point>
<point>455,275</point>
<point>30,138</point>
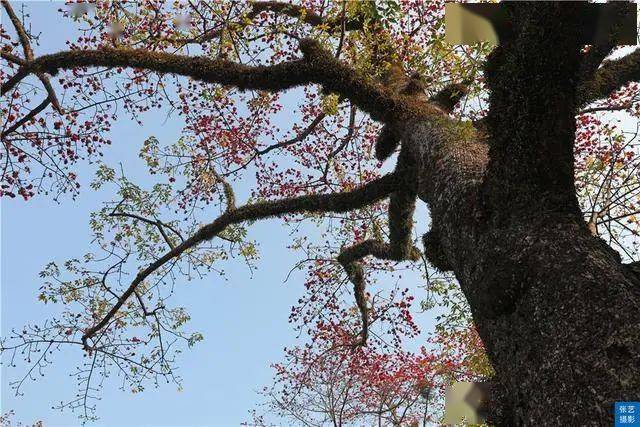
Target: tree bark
<point>557,311</point>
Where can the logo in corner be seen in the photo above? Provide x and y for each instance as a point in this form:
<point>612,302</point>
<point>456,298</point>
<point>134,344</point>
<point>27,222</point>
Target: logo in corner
<point>627,414</point>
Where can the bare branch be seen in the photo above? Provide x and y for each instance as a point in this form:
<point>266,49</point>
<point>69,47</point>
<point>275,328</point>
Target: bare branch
<point>298,138</point>
<point>157,223</point>
<point>625,106</point>
<point>294,140</point>
<point>30,115</point>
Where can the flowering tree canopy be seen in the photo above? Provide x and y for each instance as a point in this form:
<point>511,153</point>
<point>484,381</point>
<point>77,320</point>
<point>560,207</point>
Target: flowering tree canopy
<point>530,182</point>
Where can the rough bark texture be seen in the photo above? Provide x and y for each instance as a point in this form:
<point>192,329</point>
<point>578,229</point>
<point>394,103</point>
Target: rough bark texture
<point>558,312</point>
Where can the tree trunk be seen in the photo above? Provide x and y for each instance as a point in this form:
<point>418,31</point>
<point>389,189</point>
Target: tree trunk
<point>557,311</point>
<point>560,319</point>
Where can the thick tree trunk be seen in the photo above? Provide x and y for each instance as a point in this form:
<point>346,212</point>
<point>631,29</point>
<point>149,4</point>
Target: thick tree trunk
<point>557,311</point>
<point>560,319</point>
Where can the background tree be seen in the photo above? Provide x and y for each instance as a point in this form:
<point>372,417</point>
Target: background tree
<point>489,141</point>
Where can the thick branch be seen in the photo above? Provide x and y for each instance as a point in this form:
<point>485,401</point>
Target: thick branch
<point>401,209</point>
<point>604,44</point>
<point>318,66</point>
<point>612,75</point>
<point>402,205</point>
<point>341,202</point>
<point>308,16</point>
<point>4,54</point>
<point>28,54</point>
<point>449,97</point>
<point>292,10</point>
<point>350,258</point>
<point>20,31</point>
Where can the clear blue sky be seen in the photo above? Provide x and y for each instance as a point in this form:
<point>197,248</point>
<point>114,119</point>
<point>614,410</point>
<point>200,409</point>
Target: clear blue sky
<point>243,319</point>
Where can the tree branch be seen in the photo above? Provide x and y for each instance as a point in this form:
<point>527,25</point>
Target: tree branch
<point>298,138</point>
<point>11,57</point>
<point>402,205</point>
<point>282,144</point>
<point>318,66</point>
<point>28,55</point>
<point>604,45</point>
<point>612,75</point>
<point>449,97</point>
<point>624,106</point>
<point>292,10</point>
<point>20,31</point>
<point>30,115</point>
<point>157,223</point>
<point>401,208</point>
<point>341,202</point>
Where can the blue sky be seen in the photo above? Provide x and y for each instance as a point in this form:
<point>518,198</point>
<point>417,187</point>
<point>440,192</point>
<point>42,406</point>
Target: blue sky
<point>244,318</point>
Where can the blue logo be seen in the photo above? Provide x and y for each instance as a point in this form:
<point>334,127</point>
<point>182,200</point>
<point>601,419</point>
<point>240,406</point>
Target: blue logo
<point>627,414</point>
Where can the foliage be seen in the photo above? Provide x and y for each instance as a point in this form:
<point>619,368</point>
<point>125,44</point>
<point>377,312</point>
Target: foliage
<point>230,136</point>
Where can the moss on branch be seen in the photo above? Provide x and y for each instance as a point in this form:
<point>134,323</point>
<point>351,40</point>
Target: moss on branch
<point>317,66</point>
<point>612,75</point>
<point>341,202</point>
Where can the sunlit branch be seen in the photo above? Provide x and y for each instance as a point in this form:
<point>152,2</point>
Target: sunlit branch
<point>624,106</point>
<point>619,217</point>
<point>318,66</point>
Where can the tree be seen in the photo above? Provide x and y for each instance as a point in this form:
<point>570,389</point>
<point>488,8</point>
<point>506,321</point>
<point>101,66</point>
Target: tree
<point>330,383</point>
<point>554,305</point>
